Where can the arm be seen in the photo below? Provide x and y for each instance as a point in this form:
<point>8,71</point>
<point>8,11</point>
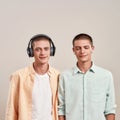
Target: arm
<point>12,104</point>
<point>110,117</point>
<point>61,99</point>
<point>110,100</point>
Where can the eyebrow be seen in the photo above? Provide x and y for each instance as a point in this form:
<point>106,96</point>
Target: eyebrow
<point>81,46</point>
<point>42,48</point>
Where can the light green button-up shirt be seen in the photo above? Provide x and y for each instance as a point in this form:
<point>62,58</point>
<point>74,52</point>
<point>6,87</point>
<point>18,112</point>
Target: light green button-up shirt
<point>88,96</point>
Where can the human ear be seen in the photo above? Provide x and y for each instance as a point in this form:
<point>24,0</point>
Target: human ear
<point>73,50</point>
<point>93,47</point>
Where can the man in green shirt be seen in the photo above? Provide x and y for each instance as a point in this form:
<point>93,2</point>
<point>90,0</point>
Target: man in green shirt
<point>86,92</point>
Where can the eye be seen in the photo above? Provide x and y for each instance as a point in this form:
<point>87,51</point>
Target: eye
<point>86,47</point>
<point>46,48</point>
<point>77,48</point>
<point>37,49</point>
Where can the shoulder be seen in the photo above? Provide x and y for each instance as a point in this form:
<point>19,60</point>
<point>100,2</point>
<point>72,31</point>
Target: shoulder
<point>98,68</point>
<point>54,70</point>
<point>103,71</point>
<point>67,72</point>
<point>23,72</point>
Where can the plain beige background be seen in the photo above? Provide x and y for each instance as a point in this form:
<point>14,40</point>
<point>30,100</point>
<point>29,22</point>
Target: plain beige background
<point>61,20</point>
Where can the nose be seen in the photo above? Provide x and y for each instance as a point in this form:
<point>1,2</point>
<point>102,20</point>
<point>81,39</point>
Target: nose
<point>42,51</point>
<point>82,50</point>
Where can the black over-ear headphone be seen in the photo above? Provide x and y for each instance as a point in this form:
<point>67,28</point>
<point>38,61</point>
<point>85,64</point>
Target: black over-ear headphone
<point>30,50</point>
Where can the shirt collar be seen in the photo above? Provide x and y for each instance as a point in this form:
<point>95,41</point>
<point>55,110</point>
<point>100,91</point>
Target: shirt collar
<point>77,70</point>
<point>31,68</point>
<point>93,68</point>
<point>49,70</point>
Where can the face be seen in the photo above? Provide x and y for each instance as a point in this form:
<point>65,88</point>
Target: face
<point>41,51</point>
<point>83,49</point>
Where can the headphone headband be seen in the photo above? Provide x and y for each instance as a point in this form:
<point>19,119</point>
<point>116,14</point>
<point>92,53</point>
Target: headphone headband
<point>30,50</point>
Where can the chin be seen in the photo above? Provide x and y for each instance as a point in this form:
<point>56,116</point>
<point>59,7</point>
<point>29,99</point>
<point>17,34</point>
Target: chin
<point>83,61</point>
<point>43,62</point>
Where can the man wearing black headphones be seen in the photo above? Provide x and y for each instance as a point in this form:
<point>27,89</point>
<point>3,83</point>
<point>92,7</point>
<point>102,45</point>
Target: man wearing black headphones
<point>33,90</point>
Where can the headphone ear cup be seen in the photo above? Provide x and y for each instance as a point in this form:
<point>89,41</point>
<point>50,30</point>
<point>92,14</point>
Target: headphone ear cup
<point>52,51</point>
<point>30,52</point>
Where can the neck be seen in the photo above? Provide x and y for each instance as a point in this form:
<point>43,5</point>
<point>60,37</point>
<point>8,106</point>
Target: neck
<point>84,67</point>
<point>40,68</point>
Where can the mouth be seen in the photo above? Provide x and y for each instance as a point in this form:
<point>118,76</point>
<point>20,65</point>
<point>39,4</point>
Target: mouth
<point>83,56</point>
<point>42,57</point>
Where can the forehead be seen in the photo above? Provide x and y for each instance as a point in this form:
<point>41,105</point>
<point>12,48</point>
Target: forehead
<point>41,43</point>
<point>82,42</point>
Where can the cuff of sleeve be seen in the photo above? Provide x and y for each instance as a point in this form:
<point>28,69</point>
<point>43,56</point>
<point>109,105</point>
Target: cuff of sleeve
<point>61,113</point>
<point>112,111</point>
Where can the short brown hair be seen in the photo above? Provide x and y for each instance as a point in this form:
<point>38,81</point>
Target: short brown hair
<point>82,36</point>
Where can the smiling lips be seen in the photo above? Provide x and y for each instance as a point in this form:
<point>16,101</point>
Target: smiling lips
<point>42,57</point>
<point>83,55</point>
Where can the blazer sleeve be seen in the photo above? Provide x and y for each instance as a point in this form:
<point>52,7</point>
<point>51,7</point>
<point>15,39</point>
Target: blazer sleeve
<point>13,97</point>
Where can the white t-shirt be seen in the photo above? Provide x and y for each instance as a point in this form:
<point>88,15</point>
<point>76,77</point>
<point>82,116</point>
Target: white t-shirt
<point>41,98</point>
